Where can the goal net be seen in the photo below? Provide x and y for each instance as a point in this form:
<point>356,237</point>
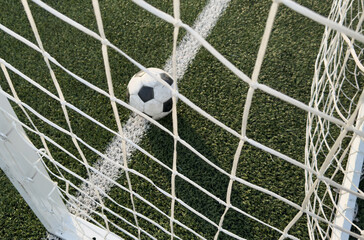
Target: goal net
<point>231,162</point>
<point>336,90</point>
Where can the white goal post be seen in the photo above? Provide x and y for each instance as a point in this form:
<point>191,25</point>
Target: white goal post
<point>22,164</point>
<point>334,148</point>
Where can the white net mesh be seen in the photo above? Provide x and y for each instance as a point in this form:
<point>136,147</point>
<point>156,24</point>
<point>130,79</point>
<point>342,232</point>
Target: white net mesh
<point>101,186</point>
<point>336,88</point>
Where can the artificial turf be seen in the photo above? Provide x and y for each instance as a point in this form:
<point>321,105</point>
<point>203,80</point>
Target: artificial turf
<point>288,67</point>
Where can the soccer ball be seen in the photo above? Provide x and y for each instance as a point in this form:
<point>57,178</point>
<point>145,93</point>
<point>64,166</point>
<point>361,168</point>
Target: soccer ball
<point>149,95</point>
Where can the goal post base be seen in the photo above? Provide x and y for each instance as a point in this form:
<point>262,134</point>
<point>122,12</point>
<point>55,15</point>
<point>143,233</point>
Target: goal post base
<point>21,163</point>
<point>81,229</point>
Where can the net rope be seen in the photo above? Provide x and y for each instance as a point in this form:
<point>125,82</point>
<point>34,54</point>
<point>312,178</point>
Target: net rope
<point>338,71</point>
<point>325,111</point>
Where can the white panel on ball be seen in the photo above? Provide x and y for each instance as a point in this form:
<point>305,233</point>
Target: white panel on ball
<point>161,93</point>
<point>136,102</point>
<point>153,108</point>
<point>134,85</point>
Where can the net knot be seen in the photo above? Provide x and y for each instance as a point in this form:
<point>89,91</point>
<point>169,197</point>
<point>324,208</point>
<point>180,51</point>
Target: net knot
<point>41,151</point>
<point>243,138</point>
<point>113,99</point>
<point>176,137</point>
<point>175,93</point>
<point>177,23</point>
<point>104,41</point>
<point>46,54</point>
<point>285,235</point>
<point>18,101</point>
<point>319,176</point>
<point>254,85</point>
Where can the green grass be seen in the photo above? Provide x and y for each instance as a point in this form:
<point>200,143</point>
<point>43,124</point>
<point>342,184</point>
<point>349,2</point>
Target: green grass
<point>288,67</point>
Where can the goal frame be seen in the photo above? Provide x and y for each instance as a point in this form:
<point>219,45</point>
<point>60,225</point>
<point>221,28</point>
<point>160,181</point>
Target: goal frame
<point>22,164</point>
<point>347,201</point>
<point>22,161</point>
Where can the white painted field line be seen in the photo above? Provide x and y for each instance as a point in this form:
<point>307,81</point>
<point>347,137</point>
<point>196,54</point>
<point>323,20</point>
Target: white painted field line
<point>136,126</point>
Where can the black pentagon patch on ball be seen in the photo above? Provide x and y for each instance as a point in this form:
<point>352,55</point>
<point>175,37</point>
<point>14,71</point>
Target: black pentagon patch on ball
<point>167,106</point>
<point>166,78</point>
<point>146,93</point>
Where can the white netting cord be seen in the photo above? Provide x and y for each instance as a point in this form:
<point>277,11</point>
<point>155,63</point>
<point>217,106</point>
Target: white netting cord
<point>314,170</point>
<point>83,208</point>
<point>248,102</point>
<point>117,185</point>
<point>62,100</point>
<point>113,104</point>
<point>13,91</point>
<point>216,54</point>
<point>335,91</point>
<point>45,145</point>
<point>176,13</point>
<point>89,209</point>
